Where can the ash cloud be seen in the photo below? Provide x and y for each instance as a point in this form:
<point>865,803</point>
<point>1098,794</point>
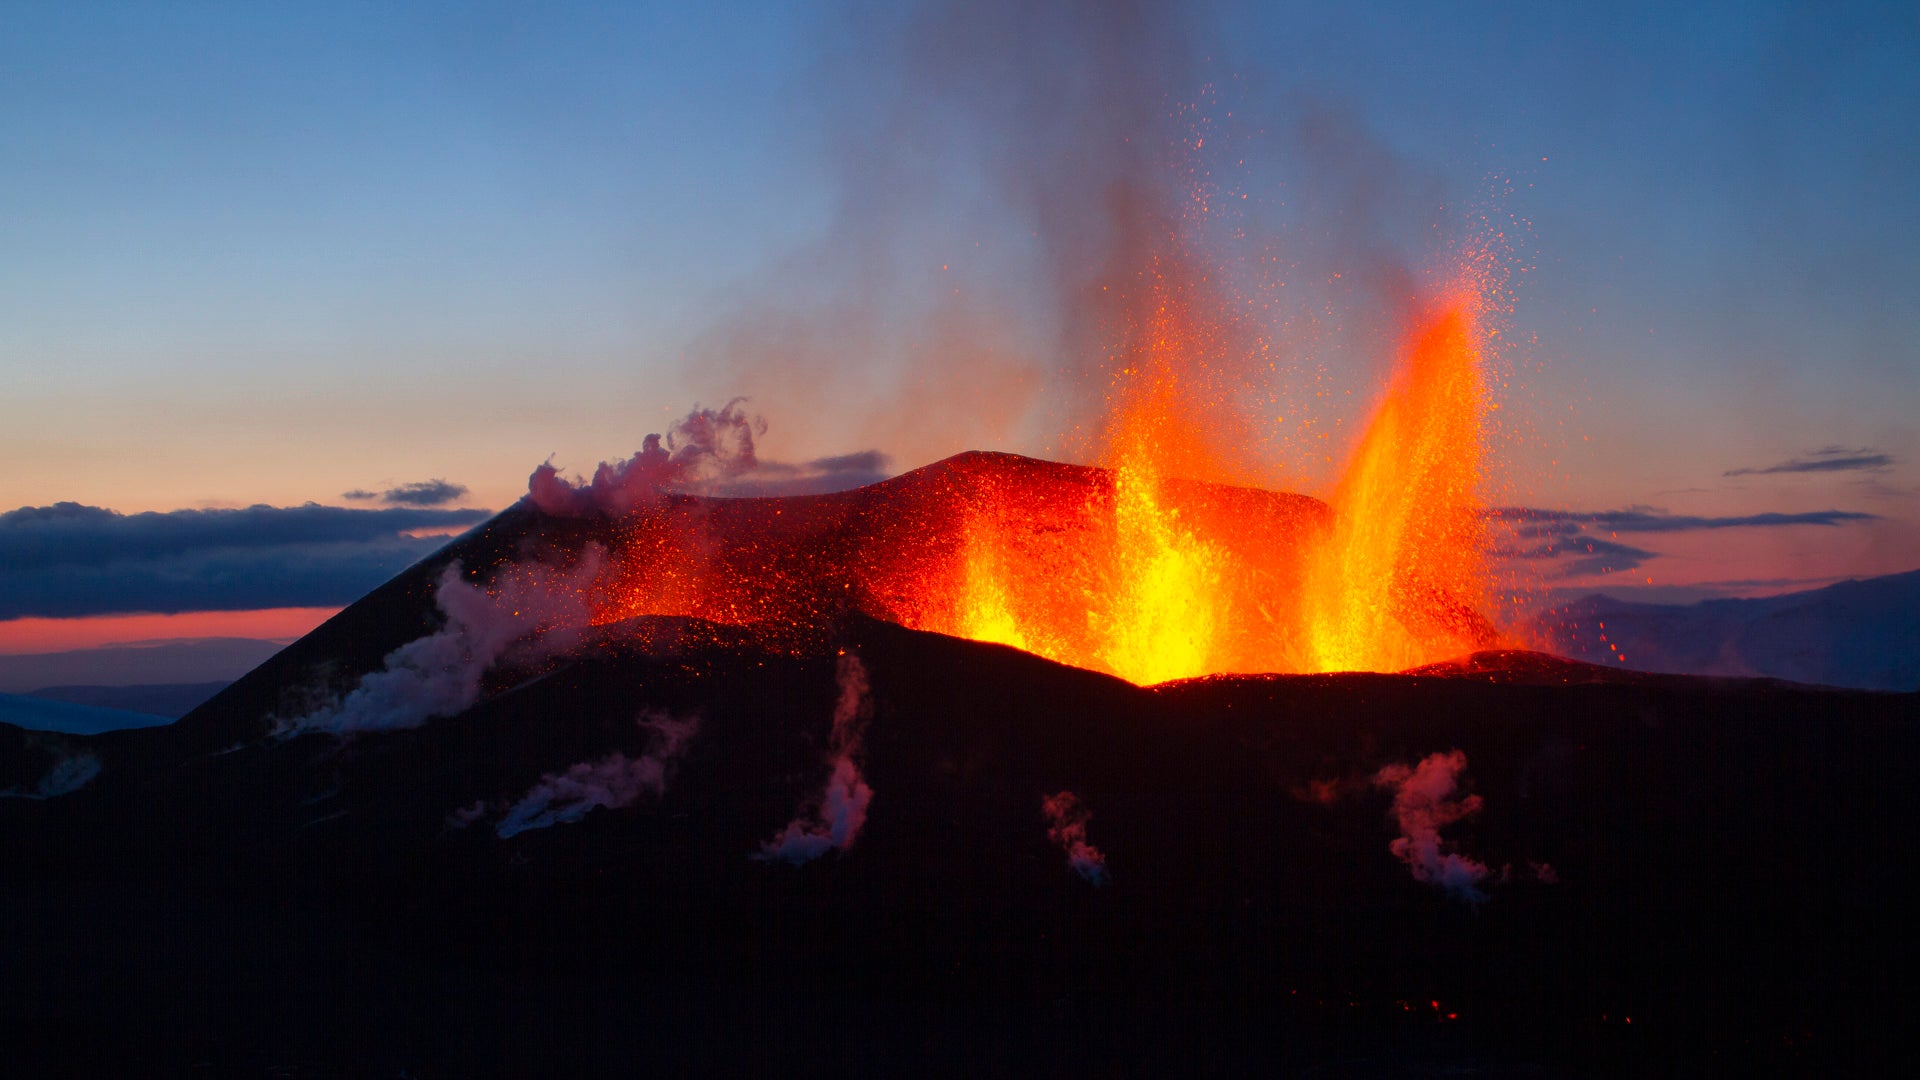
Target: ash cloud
<point>1021,185</point>
<point>1426,798</point>
<point>834,819</point>
<point>70,559</point>
<point>529,612</point>
<point>1067,819</point>
<point>612,782</point>
<point>1827,459</point>
<point>423,493</point>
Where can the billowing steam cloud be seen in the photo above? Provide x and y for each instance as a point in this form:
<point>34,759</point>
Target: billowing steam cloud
<point>530,612</point>
<point>707,447</point>
<point>613,782</point>
<point>1425,798</point>
<point>69,774</point>
<point>1067,819</point>
<point>834,821</point>
<point>708,452</point>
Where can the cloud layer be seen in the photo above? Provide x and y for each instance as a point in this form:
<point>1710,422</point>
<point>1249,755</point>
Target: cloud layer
<point>1827,459</point>
<point>1533,533</point>
<point>423,493</point>
<point>69,559</point>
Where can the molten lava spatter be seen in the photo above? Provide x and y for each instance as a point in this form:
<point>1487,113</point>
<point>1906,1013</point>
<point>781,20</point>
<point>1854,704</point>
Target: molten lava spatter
<point>1394,583</point>
<point>1148,567</point>
<point>1165,579</point>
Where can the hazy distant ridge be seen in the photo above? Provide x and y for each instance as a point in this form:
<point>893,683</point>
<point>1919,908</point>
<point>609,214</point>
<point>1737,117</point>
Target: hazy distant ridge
<point>202,660</point>
<point>1863,634</point>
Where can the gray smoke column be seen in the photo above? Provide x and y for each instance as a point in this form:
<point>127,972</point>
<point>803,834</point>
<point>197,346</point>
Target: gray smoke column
<point>1024,190</point>
<point>834,820</point>
<point>1425,798</point>
<point>612,782</point>
<point>529,612</point>
<point>706,447</point>
<point>1002,191</point>
<point>1067,819</point>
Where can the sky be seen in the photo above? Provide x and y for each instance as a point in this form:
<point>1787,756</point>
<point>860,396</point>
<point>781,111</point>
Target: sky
<point>387,258</point>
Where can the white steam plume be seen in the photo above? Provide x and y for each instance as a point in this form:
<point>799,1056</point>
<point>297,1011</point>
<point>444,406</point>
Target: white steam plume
<point>707,446</point>
<point>1067,819</point>
<point>833,822</point>
<point>529,612</point>
<point>1425,798</point>
<point>68,775</point>
<point>613,782</point>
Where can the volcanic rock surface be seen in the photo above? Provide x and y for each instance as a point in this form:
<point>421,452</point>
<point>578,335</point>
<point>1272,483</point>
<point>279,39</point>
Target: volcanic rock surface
<point>1682,873</point>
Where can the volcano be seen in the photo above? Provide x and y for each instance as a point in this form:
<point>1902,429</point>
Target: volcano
<point>1507,862</point>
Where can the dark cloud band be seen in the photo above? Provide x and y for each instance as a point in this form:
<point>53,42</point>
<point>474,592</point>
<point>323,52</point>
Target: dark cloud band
<point>424,493</point>
<point>1827,459</point>
<point>1640,519</point>
<point>70,560</point>
<point>1562,535</point>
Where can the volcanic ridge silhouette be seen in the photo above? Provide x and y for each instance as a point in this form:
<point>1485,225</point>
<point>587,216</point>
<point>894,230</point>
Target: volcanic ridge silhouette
<point>1510,863</point>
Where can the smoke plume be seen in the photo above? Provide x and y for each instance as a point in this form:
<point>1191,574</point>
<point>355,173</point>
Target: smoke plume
<point>613,782</point>
<point>529,612</point>
<point>1426,798</point>
<point>706,447</point>
<point>1035,200</point>
<point>69,774</point>
<point>834,819</point>
<point>1067,819</point>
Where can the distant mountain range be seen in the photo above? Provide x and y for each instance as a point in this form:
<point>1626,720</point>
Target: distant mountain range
<point>40,714</point>
<point>198,660</point>
<point>1863,634</point>
<point>170,700</point>
<point>821,841</point>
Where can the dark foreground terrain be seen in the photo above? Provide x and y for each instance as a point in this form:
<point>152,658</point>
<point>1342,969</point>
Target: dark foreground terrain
<point>1733,862</point>
<point>1731,885</point>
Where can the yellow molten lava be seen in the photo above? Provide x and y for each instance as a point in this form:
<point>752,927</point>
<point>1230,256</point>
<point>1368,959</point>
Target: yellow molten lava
<point>1406,531</point>
<point>1159,580</point>
<point>986,614</point>
<point>1163,610</point>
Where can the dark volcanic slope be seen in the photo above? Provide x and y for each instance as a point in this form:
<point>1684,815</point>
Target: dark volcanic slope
<point>1733,876</point>
<point>1856,633</point>
<point>794,567</point>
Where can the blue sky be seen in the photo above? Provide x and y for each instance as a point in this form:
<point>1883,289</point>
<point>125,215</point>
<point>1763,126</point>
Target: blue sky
<point>274,253</point>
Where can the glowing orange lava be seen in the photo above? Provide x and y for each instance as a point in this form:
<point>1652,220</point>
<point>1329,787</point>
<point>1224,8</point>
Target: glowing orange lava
<point>1163,578</point>
<point>1133,568</point>
<point>1147,567</point>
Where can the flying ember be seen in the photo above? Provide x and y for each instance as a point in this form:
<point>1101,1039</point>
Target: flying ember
<point>1159,578</point>
<point>1133,567</point>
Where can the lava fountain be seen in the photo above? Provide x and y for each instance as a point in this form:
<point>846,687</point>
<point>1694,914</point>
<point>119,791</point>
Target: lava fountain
<point>1166,578</point>
<point>1138,567</point>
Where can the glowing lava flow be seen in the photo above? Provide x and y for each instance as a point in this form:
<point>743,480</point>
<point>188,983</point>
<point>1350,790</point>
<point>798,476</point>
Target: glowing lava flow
<point>1164,612</point>
<point>1141,568</point>
<point>1159,579</point>
<point>1391,585</point>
